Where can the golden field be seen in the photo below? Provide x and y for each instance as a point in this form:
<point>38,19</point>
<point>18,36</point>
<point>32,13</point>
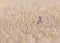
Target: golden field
<point>19,21</point>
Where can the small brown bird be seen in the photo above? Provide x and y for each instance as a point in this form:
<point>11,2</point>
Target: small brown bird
<point>39,19</point>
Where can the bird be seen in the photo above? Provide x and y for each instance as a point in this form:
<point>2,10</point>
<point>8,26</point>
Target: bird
<point>39,19</point>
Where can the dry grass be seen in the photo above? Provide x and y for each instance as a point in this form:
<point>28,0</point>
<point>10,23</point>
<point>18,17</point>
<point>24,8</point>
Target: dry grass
<point>18,21</point>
